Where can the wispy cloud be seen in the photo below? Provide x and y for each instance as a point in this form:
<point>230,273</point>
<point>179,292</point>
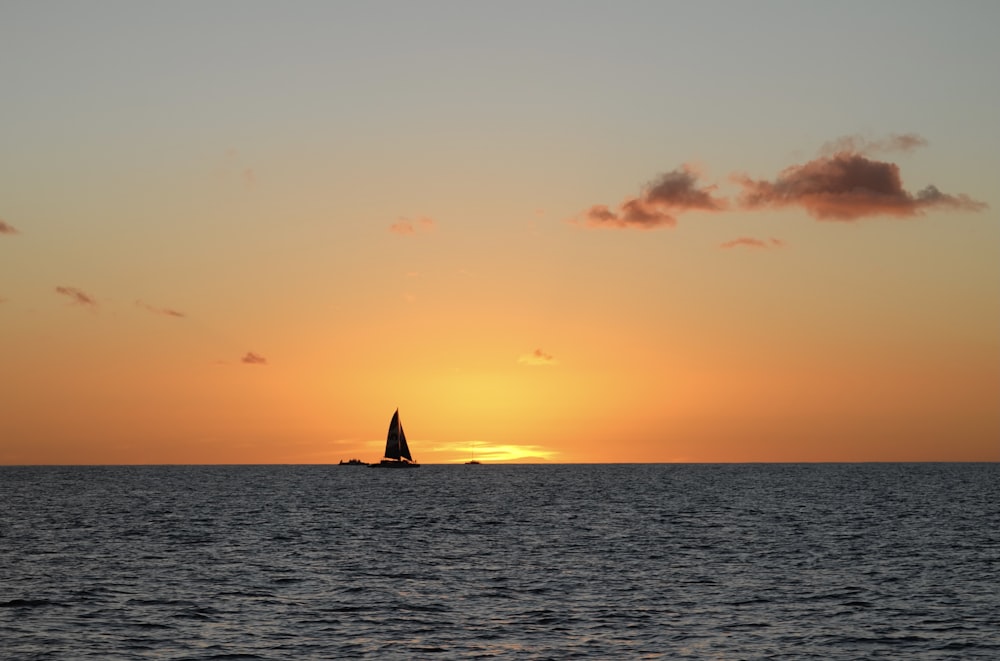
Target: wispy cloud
<point>252,358</point>
<point>78,296</point>
<point>658,204</point>
<point>164,311</point>
<point>895,142</point>
<point>407,226</point>
<point>845,184</point>
<point>492,453</point>
<point>536,357</point>
<point>750,242</point>
<point>6,228</point>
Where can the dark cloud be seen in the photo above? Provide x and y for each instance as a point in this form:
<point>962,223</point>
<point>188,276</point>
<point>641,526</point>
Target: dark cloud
<point>78,296</point>
<point>750,242</point>
<point>658,205</point>
<point>6,228</point>
<point>406,226</point>
<point>253,359</point>
<point>164,311</point>
<point>844,183</point>
<point>847,186</point>
<point>679,190</point>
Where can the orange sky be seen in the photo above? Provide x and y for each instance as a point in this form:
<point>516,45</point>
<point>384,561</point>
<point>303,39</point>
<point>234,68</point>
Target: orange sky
<point>253,249</point>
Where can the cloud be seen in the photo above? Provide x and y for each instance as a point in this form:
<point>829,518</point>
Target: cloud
<point>493,453</point>
<point>751,242</point>
<point>406,226</point>
<point>896,142</point>
<point>536,357</point>
<point>659,203</point>
<point>78,296</point>
<point>164,311</point>
<point>6,228</point>
<point>253,359</point>
<point>847,186</point>
<point>844,183</point>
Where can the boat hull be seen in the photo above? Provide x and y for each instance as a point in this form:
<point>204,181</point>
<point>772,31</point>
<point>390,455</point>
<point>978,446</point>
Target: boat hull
<point>389,463</point>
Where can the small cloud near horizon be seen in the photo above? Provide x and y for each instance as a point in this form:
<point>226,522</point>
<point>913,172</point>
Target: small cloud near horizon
<point>252,358</point>
<point>406,226</point>
<point>493,453</point>
<point>164,311</point>
<point>751,242</point>
<point>78,296</point>
<point>658,204</point>
<point>844,184</point>
<point>536,357</point>
<point>7,228</point>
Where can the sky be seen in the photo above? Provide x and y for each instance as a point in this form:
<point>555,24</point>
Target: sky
<point>247,232</point>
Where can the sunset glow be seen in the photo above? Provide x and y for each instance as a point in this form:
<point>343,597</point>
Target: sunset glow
<point>577,234</point>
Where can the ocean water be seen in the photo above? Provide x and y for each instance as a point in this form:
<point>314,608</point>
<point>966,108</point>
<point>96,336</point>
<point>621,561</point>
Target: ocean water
<point>898,561</point>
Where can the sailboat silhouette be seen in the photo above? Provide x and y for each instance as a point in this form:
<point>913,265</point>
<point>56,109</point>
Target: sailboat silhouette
<point>473,460</point>
<point>397,452</point>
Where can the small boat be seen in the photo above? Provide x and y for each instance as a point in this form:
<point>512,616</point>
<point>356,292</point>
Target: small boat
<point>353,462</point>
<point>397,452</point>
<point>473,460</point>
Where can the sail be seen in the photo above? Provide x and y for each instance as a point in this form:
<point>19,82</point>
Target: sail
<point>404,449</point>
<point>395,441</point>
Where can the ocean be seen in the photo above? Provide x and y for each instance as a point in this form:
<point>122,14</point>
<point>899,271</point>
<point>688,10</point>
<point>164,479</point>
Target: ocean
<point>639,561</point>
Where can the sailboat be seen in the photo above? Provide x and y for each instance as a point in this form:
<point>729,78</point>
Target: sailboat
<point>397,452</point>
<point>473,460</point>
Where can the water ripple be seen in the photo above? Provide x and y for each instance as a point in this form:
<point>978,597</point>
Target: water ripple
<point>686,562</point>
